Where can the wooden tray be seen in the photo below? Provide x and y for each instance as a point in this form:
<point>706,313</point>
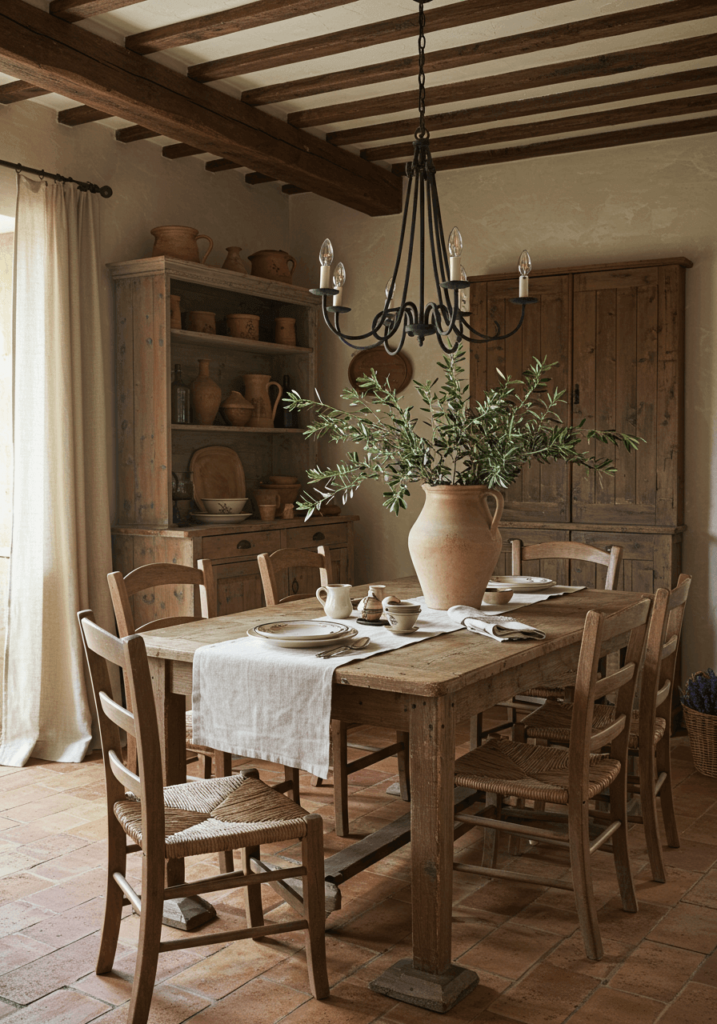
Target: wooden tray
<point>396,368</point>
<point>218,473</point>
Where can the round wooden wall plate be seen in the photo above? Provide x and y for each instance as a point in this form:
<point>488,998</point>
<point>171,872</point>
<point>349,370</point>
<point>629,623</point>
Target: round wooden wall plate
<point>397,369</point>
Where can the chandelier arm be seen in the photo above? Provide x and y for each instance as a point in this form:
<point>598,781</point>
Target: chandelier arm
<point>491,337</point>
<point>401,239</point>
<point>434,242</point>
<point>422,243</point>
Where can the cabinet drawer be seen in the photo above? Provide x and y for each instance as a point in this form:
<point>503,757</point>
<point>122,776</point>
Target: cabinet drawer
<point>241,545</point>
<point>318,533</point>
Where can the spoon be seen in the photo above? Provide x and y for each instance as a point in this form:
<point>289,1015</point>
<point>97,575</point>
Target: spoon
<point>357,645</point>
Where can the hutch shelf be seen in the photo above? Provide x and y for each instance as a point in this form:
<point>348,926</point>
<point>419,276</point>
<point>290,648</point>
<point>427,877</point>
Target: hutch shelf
<point>151,447</point>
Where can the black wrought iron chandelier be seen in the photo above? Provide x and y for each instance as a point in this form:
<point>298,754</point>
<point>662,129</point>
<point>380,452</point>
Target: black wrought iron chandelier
<point>445,318</point>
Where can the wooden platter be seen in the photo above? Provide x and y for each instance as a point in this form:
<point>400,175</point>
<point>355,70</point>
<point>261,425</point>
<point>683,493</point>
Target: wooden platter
<point>396,369</point>
<point>218,473</point>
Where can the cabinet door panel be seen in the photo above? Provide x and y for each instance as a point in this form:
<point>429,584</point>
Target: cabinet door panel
<point>615,350</point>
<point>238,587</point>
<point>541,492</point>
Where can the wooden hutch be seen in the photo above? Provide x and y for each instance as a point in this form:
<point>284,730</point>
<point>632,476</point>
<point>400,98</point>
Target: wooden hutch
<point>617,333</point>
<point>151,447</point>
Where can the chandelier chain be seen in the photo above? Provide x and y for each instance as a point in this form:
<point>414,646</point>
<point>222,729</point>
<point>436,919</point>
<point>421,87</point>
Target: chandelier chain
<point>421,131</point>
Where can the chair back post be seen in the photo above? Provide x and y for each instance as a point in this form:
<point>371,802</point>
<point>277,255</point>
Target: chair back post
<point>634,655</point>
<point>669,650</point>
<point>584,702</point>
<point>570,551</point>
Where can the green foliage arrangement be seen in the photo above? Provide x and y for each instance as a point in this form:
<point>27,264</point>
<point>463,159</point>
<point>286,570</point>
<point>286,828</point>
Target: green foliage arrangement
<point>488,443</point>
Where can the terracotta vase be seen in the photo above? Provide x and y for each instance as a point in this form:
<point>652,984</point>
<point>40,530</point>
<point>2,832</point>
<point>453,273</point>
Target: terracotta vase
<point>256,390</point>
<point>234,261</point>
<point>180,243</point>
<point>455,544</point>
<point>236,410</point>
<point>273,264</point>
<point>243,325</point>
<point>285,330</point>
<point>206,396</point>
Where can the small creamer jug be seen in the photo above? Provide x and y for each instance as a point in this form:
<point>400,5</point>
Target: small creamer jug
<point>336,600</point>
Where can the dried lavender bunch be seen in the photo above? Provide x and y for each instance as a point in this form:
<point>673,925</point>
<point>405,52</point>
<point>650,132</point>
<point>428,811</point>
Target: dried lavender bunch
<point>700,692</point>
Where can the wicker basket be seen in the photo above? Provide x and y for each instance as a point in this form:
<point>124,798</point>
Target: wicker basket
<point>702,730</point>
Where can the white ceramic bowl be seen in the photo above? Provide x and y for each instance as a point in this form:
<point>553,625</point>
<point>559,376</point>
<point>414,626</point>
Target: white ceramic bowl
<point>225,506</point>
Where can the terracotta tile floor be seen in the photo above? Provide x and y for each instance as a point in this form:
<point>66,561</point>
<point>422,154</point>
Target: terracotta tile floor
<point>659,965</point>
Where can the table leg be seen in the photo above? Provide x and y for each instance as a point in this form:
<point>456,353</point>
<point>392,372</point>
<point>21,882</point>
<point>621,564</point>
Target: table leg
<point>429,979</point>
<point>186,913</point>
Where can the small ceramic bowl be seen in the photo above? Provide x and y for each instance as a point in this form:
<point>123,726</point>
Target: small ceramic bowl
<point>401,617</point>
<point>225,506</point>
<point>503,596</point>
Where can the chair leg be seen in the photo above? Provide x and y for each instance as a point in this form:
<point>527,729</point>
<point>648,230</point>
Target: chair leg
<point>341,779</point>
<point>150,932</point>
<point>476,730</point>
<point>316,780</point>
<point>663,759</point>
<point>312,855</point>
<point>116,861</point>
<point>222,764</point>
<point>490,835</point>
<point>404,778</point>
<point>206,766</point>
<point>648,806</point>
<point>620,846</point>
<point>579,836</point>
<point>252,893</point>
<point>292,775</point>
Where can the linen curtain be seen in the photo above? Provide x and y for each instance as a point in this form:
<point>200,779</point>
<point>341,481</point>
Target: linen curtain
<point>60,553</point>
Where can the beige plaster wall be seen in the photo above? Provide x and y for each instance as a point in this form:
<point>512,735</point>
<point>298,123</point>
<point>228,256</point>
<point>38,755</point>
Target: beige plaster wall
<point>637,202</point>
<point>148,190</point>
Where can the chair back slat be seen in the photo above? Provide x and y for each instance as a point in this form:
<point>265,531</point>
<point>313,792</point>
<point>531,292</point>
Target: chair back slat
<point>130,782</point>
<point>161,574</point>
<point>117,714</point>
<point>625,621</point>
<point>571,551</point>
<point>270,565</point>
<point>613,682</point>
<point>608,734</point>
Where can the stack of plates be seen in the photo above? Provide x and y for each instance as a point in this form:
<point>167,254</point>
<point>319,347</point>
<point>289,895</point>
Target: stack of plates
<point>520,584</point>
<point>222,519</point>
<point>303,632</point>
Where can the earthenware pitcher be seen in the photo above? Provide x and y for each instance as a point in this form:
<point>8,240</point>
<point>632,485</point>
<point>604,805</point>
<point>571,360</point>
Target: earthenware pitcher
<point>180,243</point>
<point>256,391</point>
<point>234,261</point>
<point>455,543</point>
<point>273,264</point>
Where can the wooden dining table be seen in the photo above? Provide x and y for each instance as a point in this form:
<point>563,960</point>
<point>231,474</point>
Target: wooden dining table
<point>425,689</point>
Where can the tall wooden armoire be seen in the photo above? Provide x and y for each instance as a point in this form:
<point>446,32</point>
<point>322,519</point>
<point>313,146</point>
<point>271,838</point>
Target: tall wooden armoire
<point>617,334</point>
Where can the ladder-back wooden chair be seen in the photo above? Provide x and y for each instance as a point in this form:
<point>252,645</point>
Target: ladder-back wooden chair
<point>158,574</point>
<point>650,725</point>
<point>557,552</point>
<point>195,818</point>
<point>571,778</point>
<point>270,565</point>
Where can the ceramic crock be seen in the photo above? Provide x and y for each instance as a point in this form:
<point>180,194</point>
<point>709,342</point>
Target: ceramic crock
<point>273,264</point>
<point>180,243</point>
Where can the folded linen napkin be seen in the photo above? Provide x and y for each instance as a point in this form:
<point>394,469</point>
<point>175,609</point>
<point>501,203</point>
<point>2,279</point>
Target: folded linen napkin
<point>500,629</point>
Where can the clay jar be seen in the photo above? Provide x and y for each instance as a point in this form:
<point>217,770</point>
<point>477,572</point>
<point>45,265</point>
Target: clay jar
<point>455,543</point>
<point>175,315</point>
<point>202,321</point>
<point>234,261</point>
<point>236,410</point>
<point>180,243</point>
<point>285,330</point>
<point>273,264</point>
<point>243,325</point>
<point>256,389</point>
<point>206,396</point>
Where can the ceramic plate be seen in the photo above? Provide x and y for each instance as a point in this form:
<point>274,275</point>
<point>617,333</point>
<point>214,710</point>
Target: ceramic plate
<point>303,629</point>
<point>283,641</point>
<point>219,520</point>
<point>520,583</point>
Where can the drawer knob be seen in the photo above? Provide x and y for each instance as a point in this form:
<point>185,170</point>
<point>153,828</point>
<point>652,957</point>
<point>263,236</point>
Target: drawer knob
<point>244,544</point>
<point>318,536</point>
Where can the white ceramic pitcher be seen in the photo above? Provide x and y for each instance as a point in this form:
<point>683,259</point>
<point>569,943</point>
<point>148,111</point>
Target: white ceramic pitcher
<point>336,600</point>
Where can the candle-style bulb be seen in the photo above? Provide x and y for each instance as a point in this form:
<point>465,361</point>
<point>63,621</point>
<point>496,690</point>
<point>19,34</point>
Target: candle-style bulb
<point>340,276</point>
<point>326,253</point>
<point>525,264</point>
<point>455,243</point>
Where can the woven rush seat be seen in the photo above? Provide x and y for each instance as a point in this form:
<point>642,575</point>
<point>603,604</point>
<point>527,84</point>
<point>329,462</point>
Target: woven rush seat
<point>528,772</point>
<point>546,692</point>
<point>191,745</point>
<point>213,815</point>
<point>552,722</point>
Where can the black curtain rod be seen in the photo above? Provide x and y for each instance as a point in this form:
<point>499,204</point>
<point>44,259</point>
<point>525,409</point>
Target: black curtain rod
<point>84,186</point>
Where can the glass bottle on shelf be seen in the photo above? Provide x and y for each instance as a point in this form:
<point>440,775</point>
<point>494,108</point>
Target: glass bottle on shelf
<point>285,417</point>
<point>180,397</point>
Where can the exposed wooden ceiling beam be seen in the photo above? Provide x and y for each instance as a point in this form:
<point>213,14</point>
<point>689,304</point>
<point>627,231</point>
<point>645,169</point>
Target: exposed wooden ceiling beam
<point>254,178</point>
<point>620,62</point>
<point>554,126</point>
<point>134,133</point>
<point>85,67</point>
<point>576,144</point>
<point>210,26</point>
<point>77,10</point>
<point>642,18</point>
<point>220,165</point>
<point>293,190</point>
<point>179,149</point>
<point>358,36</point>
<point>531,106</point>
<point>74,116</point>
<point>15,92</point>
